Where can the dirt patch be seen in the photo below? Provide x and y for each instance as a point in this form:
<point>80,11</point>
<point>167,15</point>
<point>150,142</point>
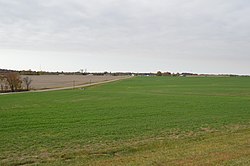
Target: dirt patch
<point>60,81</point>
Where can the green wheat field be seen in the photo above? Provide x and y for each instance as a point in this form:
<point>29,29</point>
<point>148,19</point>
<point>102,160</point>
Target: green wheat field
<point>137,121</point>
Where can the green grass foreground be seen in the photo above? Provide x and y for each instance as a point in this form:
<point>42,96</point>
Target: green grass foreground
<point>139,121</point>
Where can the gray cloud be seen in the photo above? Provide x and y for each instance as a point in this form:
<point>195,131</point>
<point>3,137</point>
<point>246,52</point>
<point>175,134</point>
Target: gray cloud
<point>186,32</point>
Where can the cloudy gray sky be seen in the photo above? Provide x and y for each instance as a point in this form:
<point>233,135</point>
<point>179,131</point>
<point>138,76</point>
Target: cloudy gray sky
<point>203,36</point>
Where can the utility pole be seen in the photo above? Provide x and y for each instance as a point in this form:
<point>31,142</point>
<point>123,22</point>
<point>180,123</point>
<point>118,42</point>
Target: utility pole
<point>74,84</point>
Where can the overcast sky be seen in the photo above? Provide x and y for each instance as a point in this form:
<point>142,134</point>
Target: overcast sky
<point>203,36</point>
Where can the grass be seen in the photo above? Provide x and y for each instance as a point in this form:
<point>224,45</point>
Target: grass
<point>139,121</point>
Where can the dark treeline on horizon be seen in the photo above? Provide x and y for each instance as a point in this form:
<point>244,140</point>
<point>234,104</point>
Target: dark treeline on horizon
<point>158,73</point>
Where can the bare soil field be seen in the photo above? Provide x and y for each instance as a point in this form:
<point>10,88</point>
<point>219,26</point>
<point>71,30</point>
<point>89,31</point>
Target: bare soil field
<point>60,81</point>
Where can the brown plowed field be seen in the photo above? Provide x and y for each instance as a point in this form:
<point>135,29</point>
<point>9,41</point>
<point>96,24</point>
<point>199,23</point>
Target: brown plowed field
<point>59,81</point>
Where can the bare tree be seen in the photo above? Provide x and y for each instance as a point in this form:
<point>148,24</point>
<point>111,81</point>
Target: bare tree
<point>1,83</point>
<point>14,81</point>
<point>27,81</point>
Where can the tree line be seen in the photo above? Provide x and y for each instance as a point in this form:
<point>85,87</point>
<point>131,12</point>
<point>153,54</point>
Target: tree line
<point>13,82</point>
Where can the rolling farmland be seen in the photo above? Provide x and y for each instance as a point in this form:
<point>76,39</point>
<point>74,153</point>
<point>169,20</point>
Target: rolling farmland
<point>137,121</point>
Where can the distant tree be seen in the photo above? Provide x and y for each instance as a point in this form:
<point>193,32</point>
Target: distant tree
<point>158,73</point>
<point>27,81</point>
<point>14,81</point>
<point>166,74</point>
<point>176,74</point>
<point>81,71</point>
